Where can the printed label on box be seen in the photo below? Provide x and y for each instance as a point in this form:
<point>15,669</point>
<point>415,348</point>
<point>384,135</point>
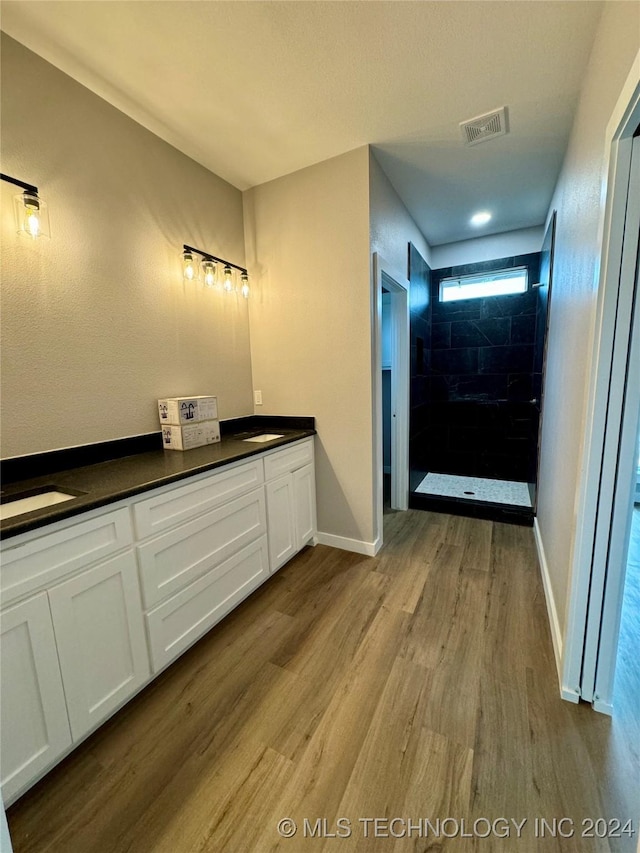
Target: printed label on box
<point>187,410</point>
<point>189,436</point>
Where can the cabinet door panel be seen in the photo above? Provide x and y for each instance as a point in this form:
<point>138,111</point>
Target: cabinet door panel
<point>99,629</point>
<point>282,531</point>
<point>170,562</point>
<point>304,489</point>
<point>35,727</point>
<point>189,614</point>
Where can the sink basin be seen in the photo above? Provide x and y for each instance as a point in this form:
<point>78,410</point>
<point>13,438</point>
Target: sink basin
<point>28,502</point>
<point>266,436</point>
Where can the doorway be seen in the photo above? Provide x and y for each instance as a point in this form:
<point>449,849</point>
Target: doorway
<point>608,485</point>
<point>391,390</point>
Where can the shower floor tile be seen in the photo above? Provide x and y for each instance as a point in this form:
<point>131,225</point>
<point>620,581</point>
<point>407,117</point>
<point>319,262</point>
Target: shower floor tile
<point>476,489</point>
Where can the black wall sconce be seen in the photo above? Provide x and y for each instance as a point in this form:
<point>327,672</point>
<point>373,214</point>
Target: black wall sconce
<point>210,270</point>
<point>32,213</point>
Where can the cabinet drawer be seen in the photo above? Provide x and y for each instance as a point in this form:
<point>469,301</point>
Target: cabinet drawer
<point>181,620</point>
<point>170,562</point>
<point>287,460</point>
<point>177,505</point>
<point>43,560</point>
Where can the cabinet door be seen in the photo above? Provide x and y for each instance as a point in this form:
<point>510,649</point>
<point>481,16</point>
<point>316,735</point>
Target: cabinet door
<point>281,521</point>
<point>304,489</point>
<point>35,727</point>
<point>99,629</point>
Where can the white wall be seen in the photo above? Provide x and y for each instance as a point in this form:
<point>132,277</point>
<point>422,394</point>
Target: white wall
<point>97,322</point>
<point>579,200</point>
<point>392,227</point>
<point>520,242</point>
<point>307,239</point>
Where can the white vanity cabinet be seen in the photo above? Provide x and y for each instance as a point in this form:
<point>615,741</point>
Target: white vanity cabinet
<point>93,607</point>
<point>73,648</point>
<point>195,571</point>
<point>291,501</point>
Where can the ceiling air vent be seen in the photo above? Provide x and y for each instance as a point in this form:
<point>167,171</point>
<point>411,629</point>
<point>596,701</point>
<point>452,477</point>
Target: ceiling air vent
<point>484,127</point>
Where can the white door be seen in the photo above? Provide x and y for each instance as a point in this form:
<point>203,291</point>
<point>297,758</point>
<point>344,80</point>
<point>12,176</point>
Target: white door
<point>97,618</point>
<point>603,624</point>
<point>35,727</point>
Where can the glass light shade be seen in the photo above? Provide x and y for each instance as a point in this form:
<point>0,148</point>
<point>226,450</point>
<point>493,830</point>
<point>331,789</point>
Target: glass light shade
<point>32,215</point>
<point>209,272</point>
<point>244,278</point>
<point>189,267</point>
<point>228,279</point>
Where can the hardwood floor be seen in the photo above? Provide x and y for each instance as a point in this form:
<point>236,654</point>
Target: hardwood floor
<point>418,684</point>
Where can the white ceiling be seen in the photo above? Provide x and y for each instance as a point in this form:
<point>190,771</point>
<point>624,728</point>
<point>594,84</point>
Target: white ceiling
<point>255,90</point>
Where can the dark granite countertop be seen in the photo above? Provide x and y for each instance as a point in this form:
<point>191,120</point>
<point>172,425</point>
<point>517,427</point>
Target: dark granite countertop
<point>108,481</point>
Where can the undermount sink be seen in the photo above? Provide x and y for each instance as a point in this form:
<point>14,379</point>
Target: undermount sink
<point>266,436</point>
<point>21,503</point>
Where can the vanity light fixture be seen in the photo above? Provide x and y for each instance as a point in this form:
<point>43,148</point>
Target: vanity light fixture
<point>32,214</point>
<point>209,265</point>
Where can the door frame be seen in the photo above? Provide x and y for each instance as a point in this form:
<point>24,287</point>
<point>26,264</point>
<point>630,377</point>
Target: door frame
<point>398,287</point>
<point>605,398</point>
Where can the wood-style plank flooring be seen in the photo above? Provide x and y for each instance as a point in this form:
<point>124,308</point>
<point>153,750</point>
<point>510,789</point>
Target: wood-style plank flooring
<point>416,684</point>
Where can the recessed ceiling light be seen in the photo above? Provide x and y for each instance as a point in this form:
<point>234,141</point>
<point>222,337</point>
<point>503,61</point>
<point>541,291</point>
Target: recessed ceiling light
<point>480,218</point>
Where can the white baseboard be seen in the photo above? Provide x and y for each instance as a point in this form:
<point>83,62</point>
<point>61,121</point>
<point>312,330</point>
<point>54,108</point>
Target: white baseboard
<point>552,612</point>
<point>358,546</point>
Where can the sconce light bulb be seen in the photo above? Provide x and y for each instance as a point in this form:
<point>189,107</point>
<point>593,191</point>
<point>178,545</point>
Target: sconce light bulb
<point>244,278</point>
<point>31,224</point>
<point>209,270</point>
<point>228,279</point>
<point>188,267</point>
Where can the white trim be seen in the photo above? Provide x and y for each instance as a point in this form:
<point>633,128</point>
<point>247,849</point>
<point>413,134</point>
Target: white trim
<point>552,611</point>
<point>615,183</point>
<point>358,546</point>
<point>400,351</point>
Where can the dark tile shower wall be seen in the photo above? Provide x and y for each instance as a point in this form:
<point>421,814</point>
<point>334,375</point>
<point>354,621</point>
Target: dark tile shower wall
<point>473,406</point>
<point>421,348</point>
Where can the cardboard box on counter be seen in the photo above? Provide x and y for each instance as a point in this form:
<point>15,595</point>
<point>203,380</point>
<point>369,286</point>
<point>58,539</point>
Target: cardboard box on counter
<point>187,410</point>
<point>190,436</point>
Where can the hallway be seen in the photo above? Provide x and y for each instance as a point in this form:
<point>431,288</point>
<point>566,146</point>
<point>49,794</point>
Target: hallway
<point>416,684</point>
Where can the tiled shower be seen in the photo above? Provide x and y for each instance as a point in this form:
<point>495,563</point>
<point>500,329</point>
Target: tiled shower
<point>476,384</point>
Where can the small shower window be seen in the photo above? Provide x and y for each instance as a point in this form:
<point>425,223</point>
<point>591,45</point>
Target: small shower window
<point>498,283</point>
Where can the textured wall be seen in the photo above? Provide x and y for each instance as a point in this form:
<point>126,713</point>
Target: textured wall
<point>520,242</point>
<point>307,237</point>
<point>578,199</point>
<point>392,228</point>
<point>96,322</point>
